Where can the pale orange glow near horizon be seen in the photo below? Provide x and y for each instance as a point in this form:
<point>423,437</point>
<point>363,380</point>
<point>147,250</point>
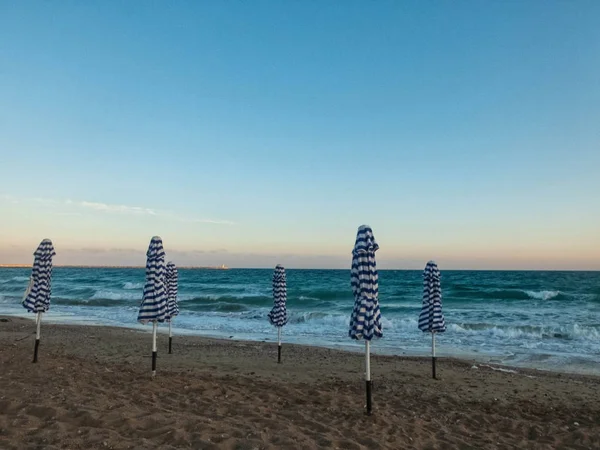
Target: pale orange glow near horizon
<point>114,235</point>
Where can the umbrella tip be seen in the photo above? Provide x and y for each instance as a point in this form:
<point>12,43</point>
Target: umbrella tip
<point>46,248</point>
<point>365,240</point>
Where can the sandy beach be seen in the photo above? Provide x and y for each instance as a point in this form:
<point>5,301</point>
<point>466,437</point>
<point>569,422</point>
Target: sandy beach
<point>92,389</point>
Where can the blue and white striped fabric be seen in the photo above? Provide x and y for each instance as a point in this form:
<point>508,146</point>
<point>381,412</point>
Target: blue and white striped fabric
<point>431,318</point>
<point>37,295</point>
<point>365,322</point>
<point>278,315</point>
<point>171,282</point>
<point>154,301</point>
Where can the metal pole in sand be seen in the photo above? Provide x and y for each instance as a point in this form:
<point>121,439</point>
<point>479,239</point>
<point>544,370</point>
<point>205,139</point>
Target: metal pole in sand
<point>154,348</point>
<point>278,345</point>
<point>368,375</point>
<point>433,354</point>
<point>170,336</point>
<point>38,323</point>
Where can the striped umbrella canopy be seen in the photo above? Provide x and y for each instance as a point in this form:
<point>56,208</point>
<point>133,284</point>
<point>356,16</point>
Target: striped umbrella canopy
<point>278,315</point>
<point>37,296</point>
<point>431,319</point>
<point>154,301</point>
<point>365,322</point>
<point>171,284</point>
<point>172,306</point>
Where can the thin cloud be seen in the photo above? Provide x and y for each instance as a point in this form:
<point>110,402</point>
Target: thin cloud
<point>69,214</point>
<point>105,207</point>
<point>9,198</point>
<point>211,221</point>
<point>108,208</point>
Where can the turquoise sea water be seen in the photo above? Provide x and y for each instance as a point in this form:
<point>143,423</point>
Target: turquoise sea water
<point>548,320</point>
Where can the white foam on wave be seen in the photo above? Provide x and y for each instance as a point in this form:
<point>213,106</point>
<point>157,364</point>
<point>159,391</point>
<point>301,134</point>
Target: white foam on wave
<point>128,285</point>
<point>321,318</point>
<point>316,318</point>
<point>574,331</point>
<point>592,333</point>
<point>543,295</point>
<point>494,331</point>
<point>21,279</point>
<point>112,295</point>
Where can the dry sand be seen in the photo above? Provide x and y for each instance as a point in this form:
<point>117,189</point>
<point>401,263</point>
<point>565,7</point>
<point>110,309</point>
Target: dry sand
<point>92,389</point>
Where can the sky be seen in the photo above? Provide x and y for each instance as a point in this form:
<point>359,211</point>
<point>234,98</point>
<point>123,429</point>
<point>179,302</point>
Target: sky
<point>251,133</point>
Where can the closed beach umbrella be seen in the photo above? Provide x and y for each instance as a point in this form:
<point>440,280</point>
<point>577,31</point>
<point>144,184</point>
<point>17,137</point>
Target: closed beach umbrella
<point>37,295</point>
<point>278,315</point>
<point>365,322</point>
<point>154,302</point>
<point>172,306</point>
<point>431,319</point>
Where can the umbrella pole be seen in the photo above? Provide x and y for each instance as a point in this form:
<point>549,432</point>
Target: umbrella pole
<point>368,375</point>
<point>433,354</point>
<point>154,348</point>
<point>278,345</point>
<point>38,323</point>
<point>170,336</point>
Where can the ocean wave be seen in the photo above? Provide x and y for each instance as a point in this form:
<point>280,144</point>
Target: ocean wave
<point>105,294</point>
<point>322,294</point>
<point>570,332</point>
<point>318,316</point>
<point>129,285</point>
<point>392,308</point>
<point>543,295</point>
<point>507,294</point>
<point>233,289</point>
<point>18,279</point>
<point>99,302</point>
<point>462,287</point>
<point>207,299</point>
<point>339,320</point>
<point>217,307</point>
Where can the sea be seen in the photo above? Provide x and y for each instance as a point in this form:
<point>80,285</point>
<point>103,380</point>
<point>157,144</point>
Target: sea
<point>545,320</point>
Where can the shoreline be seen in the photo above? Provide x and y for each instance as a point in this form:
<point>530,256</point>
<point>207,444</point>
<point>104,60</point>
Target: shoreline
<point>351,347</point>
<point>92,389</point>
<point>162,330</point>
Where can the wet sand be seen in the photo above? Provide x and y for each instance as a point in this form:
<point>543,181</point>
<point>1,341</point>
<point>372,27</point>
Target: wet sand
<point>92,389</point>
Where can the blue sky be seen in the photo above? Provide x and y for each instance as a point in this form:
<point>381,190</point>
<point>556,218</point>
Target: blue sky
<point>252,133</point>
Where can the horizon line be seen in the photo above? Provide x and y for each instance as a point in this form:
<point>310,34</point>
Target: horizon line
<point>224,267</point>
